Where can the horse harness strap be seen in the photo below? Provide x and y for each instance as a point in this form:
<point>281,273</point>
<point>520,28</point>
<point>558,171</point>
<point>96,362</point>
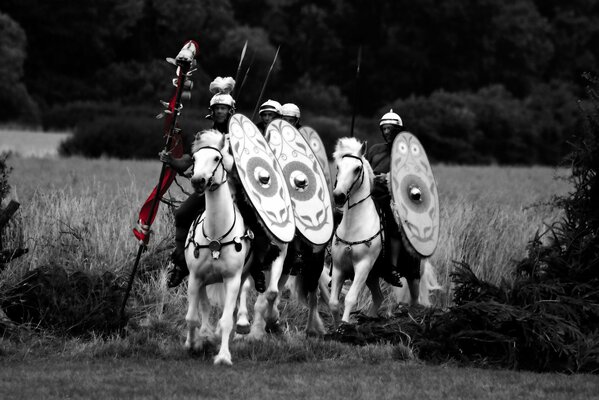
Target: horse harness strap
<point>215,244</point>
<point>367,242</point>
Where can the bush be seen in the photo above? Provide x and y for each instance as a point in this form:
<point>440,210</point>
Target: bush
<point>491,125</point>
<point>548,318</point>
<point>318,98</point>
<point>117,137</point>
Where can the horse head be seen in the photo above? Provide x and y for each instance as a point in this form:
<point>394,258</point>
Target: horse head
<point>211,160</point>
<point>352,169</point>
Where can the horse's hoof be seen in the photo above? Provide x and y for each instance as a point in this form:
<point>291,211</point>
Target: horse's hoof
<point>223,360</point>
<point>242,329</point>
<point>345,328</point>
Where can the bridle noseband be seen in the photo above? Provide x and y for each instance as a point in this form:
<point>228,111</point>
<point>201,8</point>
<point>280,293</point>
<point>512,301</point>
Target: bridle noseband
<point>210,184</point>
<point>360,177</point>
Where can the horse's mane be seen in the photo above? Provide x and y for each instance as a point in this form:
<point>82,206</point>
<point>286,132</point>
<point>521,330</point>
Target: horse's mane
<point>352,146</point>
<point>207,137</point>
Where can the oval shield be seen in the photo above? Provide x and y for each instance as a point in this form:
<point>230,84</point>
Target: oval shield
<point>415,201</point>
<point>261,177</point>
<point>320,152</point>
<point>306,182</point>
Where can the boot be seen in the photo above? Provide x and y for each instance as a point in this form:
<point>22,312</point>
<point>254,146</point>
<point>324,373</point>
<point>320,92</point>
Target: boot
<point>393,277</point>
<point>177,269</point>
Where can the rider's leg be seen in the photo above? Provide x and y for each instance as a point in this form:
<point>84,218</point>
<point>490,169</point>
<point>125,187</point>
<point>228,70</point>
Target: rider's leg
<point>410,265</point>
<point>259,244</point>
<point>393,275</point>
<point>187,212</point>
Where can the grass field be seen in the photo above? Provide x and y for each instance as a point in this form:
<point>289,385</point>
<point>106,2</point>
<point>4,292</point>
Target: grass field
<point>31,143</point>
<point>79,214</point>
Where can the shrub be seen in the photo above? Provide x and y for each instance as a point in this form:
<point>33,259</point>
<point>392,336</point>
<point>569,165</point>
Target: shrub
<point>119,137</point>
<point>491,125</point>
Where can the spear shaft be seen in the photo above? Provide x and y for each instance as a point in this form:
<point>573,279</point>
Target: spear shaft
<point>265,83</point>
<point>240,62</point>
<point>183,61</point>
<point>353,117</point>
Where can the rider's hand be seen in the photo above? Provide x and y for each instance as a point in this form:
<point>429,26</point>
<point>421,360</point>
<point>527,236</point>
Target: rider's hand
<point>165,157</point>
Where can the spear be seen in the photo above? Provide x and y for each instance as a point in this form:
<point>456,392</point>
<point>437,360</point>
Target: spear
<point>265,82</point>
<point>184,62</point>
<point>240,62</point>
<point>247,71</point>
<point>353,117</point>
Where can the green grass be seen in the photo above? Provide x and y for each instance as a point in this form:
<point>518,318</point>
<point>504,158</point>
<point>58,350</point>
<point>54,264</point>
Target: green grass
<point>184,377</point>
<point>79,214</point>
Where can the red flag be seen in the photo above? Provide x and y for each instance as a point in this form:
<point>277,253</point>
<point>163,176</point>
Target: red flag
<point>146,216</point>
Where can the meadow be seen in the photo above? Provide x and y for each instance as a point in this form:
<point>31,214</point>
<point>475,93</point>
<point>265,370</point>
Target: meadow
<point>79,214</point>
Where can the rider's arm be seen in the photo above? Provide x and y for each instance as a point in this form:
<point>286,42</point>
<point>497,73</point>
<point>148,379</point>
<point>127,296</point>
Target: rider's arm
<point>180,165</point>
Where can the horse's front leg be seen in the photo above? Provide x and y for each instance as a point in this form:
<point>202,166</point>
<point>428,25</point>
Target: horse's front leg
<point>206,329</point>
<point>225,324</point>
<point>337,280</point>
<point>377,296</point>
<point>276,270</point>
<point>361,270</point>
<point>192,318</point>
<point>243,322</point>
<point>311,277</point>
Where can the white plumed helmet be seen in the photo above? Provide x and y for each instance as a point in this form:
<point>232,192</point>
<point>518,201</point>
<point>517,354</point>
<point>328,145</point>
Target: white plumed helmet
<point>221,88</point>
<point>391,118</point>
<point>290,110</point>
<point>270,105</point>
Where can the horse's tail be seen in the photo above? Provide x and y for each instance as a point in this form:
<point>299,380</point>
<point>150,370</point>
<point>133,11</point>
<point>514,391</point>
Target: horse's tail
<point>428,283</point>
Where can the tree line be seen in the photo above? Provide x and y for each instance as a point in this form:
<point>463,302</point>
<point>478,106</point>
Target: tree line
<point>478,81</point>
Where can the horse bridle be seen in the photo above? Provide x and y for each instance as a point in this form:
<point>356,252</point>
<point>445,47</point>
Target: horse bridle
<point>211,185</point>
<point>360,177</point>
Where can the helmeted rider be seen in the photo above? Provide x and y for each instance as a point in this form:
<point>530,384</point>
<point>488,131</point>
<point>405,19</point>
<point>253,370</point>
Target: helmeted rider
<point>222,106</point>
<point>291,113</point>
<point>268,111</point>
<point>402,263</point>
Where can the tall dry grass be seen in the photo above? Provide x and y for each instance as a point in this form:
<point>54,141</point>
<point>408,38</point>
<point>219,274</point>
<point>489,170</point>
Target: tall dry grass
<point>79,213</point>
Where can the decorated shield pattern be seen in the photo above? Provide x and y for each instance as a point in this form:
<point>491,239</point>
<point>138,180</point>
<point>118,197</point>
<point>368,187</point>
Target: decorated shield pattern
<point>415,201</point>
<point>320,152</point>
<point>305,179</point>
<point>261,177</point>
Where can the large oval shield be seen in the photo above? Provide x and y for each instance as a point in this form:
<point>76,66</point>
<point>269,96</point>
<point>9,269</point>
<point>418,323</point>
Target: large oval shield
<point>320,152</point>
<point>415,199</point>
<point>261,177</point>
<point>306,182</point>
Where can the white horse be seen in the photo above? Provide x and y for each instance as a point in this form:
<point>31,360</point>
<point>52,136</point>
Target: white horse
<point>358,240</point>
<point>216,246</point>
<point>218,250</point>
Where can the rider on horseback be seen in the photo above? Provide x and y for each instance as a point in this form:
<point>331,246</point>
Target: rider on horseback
<point>400,261</point>
<point>222,106</point>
